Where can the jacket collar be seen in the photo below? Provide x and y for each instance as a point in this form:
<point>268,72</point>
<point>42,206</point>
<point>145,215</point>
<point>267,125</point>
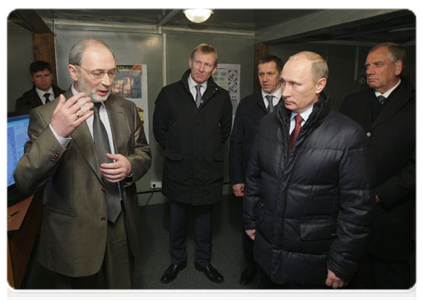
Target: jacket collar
<point>259,101</point>
<point>320,110</point>
<point>212,87</point>
<point>210,81</point>
<point>404,93</point>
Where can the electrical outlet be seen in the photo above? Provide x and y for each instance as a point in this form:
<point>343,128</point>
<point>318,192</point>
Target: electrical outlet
<point>155,185</point>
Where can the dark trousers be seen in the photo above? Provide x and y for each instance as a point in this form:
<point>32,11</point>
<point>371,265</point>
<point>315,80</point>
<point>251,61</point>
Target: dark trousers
<point>268,290</point>
<point>375,273</point>
<point>178,232</point>
<point>118,263</point>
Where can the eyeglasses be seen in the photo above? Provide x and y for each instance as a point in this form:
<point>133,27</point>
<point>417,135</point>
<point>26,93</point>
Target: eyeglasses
<point>99,74</point>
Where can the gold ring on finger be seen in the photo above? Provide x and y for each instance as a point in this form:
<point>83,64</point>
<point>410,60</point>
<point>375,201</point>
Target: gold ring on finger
<point>77,115</point>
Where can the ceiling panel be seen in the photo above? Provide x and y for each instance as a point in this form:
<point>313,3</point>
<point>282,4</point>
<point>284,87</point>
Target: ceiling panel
<point>398,26</point>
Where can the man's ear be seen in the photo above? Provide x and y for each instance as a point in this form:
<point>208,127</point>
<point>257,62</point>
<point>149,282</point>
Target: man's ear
<point>398,67</point>
<point>73,72</point>
<point>320,85</point>
<point>214,69</point>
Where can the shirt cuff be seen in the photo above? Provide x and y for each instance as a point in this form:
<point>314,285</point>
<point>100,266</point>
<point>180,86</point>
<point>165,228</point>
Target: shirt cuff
<point>63,141</point>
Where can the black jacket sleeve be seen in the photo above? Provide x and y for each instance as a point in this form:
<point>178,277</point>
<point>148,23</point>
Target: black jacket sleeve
<point>236,154</point>
<point>161,120</point>
<point>252,194</point>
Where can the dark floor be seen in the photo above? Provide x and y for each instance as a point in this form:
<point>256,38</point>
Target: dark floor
<point>190,284</point>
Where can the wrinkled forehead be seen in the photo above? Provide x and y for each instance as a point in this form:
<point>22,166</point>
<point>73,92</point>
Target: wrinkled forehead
<point>98,57</point>
<point>379,54</point>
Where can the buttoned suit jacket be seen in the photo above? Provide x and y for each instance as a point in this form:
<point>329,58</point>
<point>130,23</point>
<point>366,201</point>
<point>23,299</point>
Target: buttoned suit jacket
<point>392,137</point>
<point>30,99</point>
<point>248,115</point>
<point>74,226</point>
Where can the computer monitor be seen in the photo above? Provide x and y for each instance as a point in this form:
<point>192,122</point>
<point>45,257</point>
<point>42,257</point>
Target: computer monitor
<point>17,136</point>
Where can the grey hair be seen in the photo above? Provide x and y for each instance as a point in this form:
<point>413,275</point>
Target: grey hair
<point>78,49</point>
<point>396,51</point>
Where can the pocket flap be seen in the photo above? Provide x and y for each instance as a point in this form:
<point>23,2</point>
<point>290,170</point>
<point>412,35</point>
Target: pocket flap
<point>173,156</point>
<point>218,156</point>
<point>312,231</point>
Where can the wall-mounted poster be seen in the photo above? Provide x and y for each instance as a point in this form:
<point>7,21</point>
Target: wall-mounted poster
<point>228,76</point>
<point>131,83</point>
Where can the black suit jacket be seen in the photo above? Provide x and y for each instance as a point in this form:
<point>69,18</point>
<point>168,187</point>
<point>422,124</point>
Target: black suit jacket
<point>392,138</point>
<point>30,100</point>
<point>249,113</point>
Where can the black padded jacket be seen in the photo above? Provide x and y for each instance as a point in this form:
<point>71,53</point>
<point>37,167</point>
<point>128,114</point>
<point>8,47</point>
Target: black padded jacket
<point>312,208</point>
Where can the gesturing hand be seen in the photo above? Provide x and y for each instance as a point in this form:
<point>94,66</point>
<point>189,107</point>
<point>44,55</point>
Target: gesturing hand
<point>69,114</point>
<point>118,170</point>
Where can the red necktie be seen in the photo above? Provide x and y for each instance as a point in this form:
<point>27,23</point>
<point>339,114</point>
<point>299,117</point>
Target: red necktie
<point>294,134</point>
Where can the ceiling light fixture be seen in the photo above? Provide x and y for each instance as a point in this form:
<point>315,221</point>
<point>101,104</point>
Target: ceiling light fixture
<point>198,15</point>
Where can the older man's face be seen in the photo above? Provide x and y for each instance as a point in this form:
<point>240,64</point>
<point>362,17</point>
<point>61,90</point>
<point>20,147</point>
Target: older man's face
<point>382,73</point>
<point>299,90</point>
<point>96,60</point>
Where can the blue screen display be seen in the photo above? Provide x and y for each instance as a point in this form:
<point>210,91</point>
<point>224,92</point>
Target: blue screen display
<point>17,136</point>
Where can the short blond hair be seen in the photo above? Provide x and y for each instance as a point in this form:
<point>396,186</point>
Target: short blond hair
<point>205,49</point>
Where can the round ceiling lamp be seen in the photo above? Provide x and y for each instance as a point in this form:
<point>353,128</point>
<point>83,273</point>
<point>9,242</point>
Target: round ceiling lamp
<point>198,15</point>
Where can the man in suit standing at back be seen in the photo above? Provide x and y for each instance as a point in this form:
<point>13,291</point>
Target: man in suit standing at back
<point>43,90</point>
<point>192,121</point>
<point>249,113</point>
<point>88,148</point>
<point>386,111</point>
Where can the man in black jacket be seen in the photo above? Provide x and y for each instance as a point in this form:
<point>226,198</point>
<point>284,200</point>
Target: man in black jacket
<point>390,126</point>
<point>43,90</point>
<point>308,198</point>
<point>192,121</point>
<point>248,115</point>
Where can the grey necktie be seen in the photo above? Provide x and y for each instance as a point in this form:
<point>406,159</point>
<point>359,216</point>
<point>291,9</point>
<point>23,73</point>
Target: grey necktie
<point>198,96</point>
<point>270,106</point>
<point>381,99</point>
<point>102,146</point>
<point>47,96</point>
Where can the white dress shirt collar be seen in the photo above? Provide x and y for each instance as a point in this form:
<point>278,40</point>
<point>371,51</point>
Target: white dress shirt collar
<point>305,115</point>
<point>277,97</point>
<point>192,84</point>
<point>41,94</point>
<point>387,93</point>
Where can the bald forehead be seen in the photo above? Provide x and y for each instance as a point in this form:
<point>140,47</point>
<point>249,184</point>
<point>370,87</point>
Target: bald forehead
<point>312,63</point>
<point>300,63</point>
<point>96,49</point>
